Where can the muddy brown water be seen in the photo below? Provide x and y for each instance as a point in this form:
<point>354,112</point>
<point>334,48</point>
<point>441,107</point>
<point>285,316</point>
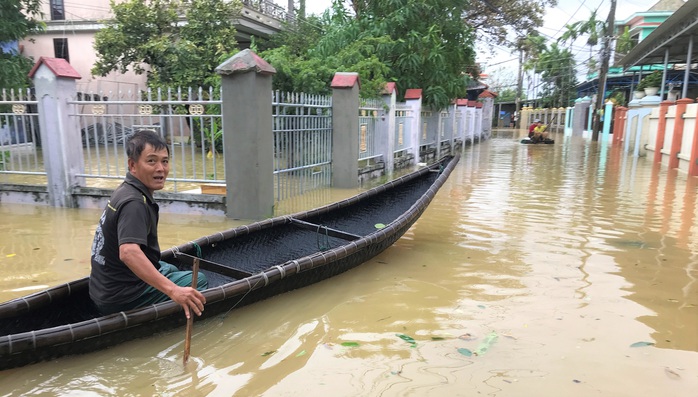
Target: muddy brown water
<point>566,269</point>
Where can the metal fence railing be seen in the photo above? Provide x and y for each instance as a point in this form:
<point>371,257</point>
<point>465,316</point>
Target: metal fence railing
<point>445,130</point>
<point>190,120</point>
<point>403,132</point>
<point>302,127</point>
<point>369,111</point>
<point>429,132</point>
<point>21,159</point>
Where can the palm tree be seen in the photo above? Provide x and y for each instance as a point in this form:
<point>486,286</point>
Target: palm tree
<point>593,28</point>
<point>556,66</point>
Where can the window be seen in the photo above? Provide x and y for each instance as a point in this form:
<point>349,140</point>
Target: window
<point>57,10</point>
<point>60,49</point>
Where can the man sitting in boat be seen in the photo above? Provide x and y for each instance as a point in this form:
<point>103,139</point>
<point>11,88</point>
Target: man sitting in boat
<point>126,269</point>
<point>537,132</point>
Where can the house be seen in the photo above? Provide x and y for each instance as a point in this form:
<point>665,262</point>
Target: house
<point>71,27</point>
<point>639,26</point>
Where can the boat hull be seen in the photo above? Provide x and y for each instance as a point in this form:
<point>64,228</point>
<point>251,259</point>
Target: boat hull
<point>243,265</point>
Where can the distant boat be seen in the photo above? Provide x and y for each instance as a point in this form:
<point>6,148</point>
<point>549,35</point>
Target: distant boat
<point>242,265</point>
<point>530,141</point>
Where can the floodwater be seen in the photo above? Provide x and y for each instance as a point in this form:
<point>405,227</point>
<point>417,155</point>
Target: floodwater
<point>538,270</point>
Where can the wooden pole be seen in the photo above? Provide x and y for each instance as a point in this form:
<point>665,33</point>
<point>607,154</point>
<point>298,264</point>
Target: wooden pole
<point>190,320</point>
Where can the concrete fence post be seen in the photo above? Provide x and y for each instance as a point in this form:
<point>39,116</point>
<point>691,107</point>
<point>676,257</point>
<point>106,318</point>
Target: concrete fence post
<point>385,127</point>
<point>413,99</point>
<point>248,140</point>
<point>677,138</point>
<point>345,130</point>
<point>693,159</point>
<point>620,115</point>
<point>61,142</point>
<point>582,114</point>
<point>661,130</point>
<point>569,117</point>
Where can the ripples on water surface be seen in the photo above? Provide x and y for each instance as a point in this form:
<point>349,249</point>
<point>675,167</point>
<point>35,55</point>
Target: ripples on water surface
<point>549,261</point>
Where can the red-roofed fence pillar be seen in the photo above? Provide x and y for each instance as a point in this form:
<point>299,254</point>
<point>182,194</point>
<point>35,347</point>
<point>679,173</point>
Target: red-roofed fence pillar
<point>345,130</point>
<point>61,143</point>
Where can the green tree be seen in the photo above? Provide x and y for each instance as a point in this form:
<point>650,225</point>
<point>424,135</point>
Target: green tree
<point>493,20</point>
<point>557,68</point>
<point>432,46</point>
<point>175,42</point>
<point>424,44</point>
<point>18,19</point>
<point>592,28</point>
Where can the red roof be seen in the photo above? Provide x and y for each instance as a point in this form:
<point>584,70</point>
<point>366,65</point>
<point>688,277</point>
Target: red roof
<point>487,94</point>
<point>413,93</point>
<point>478,105</point>
<point>389,88</point>
<point>345,80</point>
<point>472,104</point>
<point>58,66</point>
<point>243,62</point>
<point>461,102</point>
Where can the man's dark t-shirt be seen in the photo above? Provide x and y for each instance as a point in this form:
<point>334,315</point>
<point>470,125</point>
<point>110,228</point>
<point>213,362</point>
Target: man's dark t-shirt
<point>131,216</point>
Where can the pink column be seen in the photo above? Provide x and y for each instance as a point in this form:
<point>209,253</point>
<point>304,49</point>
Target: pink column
<point>678,132</point>
<point>661,130</point>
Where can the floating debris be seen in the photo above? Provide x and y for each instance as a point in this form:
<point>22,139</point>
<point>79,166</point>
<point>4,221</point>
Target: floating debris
<point>487,343</point>
<point>642,344</point>
<point>465,352</point>
<point>407,339</point>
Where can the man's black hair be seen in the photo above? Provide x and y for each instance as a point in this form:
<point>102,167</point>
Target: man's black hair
<point>136,143</point>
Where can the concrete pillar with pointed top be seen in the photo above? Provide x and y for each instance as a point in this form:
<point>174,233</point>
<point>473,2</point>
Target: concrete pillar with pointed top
<point>248,139</point>
<point>345,130</point>
<point>61,143</point>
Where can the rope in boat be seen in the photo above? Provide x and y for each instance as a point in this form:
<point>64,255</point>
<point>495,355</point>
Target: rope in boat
<point>323,245</point>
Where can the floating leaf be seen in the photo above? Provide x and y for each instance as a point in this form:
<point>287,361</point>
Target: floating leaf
<point>437,338</point>
<point>350,344</point>
<point>465,352</point>
<point>642,344</point>
<point>487,343</point>
<point>379,226</point>
<point>269,353</point>
<point>482,306</point>
<point>406,338</point>
<point>302,353</point>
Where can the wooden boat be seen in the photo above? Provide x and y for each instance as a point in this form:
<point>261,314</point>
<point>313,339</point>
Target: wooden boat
<point>243,265</point>
<point>529,141</point>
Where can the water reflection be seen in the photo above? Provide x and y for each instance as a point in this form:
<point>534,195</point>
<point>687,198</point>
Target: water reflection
<point>568,253</point>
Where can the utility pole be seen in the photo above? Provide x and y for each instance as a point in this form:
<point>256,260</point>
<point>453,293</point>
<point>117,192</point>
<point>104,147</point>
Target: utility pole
<point>603,72</point>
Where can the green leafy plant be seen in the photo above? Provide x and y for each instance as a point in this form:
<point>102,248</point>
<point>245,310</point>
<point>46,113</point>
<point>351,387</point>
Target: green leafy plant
<point>4,158</point>
<point>653,79</point>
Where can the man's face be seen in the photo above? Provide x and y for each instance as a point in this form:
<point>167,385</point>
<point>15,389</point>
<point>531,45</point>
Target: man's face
<point>151,168</point>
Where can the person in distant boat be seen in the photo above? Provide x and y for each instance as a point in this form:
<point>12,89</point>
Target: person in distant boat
<point>537,131</point>
<point>126,269</point>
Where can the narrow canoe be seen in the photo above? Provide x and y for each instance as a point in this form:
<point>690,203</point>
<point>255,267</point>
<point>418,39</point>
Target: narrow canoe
<point>243,265</point>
